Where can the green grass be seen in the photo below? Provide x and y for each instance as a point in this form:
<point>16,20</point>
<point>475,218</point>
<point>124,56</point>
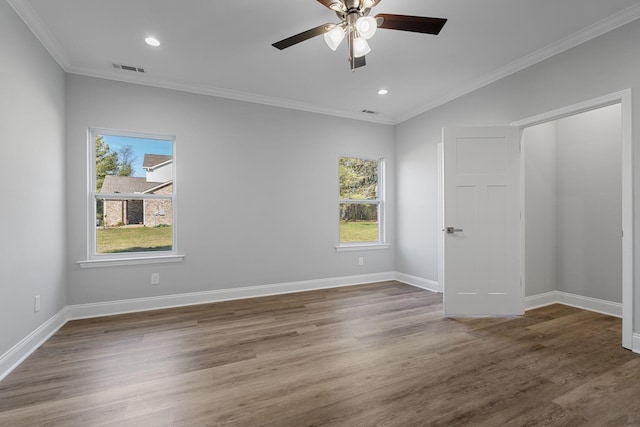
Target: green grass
<point>133,239</point>
<point>358,231</point>
<point>139,239</point>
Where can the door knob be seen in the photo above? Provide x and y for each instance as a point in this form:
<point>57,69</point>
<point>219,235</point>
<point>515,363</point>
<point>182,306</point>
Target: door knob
<point>451,230</point>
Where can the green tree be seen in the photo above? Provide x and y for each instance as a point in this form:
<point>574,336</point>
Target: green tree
<point>106,161</point>
<point>106,164</point>
<point>358,180</point>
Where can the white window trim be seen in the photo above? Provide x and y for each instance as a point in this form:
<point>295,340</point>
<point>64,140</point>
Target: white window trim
<point>130,258</point>
<point>139,260</point>
<point>349,247</point>
<point>381,243</point>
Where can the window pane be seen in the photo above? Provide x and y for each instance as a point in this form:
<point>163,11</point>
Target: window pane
<point>131,165</point>
<point>358,178</point>
<point>359,222</point>
<point>134,226</point>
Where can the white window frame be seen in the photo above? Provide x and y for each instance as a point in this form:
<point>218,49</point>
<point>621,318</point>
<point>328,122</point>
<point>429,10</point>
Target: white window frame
<point>380,201</point>
<point>129,258</point>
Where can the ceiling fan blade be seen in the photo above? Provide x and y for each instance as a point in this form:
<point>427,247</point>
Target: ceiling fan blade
<point>305,35</point>
<point>416,24</point>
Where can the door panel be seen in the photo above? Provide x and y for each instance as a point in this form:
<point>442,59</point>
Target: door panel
<point>496,238</point>
<point>482,203</point>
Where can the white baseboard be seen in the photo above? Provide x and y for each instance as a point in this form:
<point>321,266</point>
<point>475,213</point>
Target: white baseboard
<point>541,300</point>
<point>418,282</point>
<point>579,301</point>
<point>19,352</point>
<point>84,311</point>
<point>636,343</point>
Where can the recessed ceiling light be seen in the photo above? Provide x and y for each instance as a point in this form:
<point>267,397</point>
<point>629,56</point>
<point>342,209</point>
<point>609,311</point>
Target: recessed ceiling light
<point>152,41</point>
<point>383,92</point>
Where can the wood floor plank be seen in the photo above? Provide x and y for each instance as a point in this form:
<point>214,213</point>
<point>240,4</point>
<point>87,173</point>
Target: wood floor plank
<point>375,354</point>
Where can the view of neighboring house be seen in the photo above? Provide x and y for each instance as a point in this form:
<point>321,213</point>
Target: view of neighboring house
<point>158,180</point>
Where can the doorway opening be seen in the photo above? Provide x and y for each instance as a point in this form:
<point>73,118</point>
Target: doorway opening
<point>577,224</point>
<point>623,100</point>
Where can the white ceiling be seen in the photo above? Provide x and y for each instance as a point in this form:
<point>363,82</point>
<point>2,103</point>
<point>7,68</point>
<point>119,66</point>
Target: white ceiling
<point>223,48</point>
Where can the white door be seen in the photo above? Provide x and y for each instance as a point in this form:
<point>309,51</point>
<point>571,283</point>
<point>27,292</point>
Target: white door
<point>482,221</point>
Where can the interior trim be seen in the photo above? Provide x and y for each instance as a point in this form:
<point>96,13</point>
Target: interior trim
<point>419,282</point>
<point>31,19</point>
<point>586,303</point>
<point>623,98</point>
<point>599,28</point>
<point>636,343</point>
<point>19,352</point>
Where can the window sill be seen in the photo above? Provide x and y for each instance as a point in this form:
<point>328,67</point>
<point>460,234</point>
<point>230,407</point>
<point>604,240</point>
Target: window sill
<point>116,262</point>
<point>362,247</point>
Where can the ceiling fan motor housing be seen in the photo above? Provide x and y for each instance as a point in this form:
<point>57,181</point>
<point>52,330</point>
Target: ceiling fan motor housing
<point>347,8</point>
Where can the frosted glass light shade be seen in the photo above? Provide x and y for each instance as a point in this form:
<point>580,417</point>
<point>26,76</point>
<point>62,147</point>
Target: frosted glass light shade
<point>334,37</point>
<point>360,47</point>
<point>152,41</point>
<point>366,26</point>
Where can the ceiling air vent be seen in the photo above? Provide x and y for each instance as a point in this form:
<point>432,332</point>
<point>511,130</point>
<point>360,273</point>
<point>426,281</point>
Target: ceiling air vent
<point>129,68</point>
<point>370,112</point>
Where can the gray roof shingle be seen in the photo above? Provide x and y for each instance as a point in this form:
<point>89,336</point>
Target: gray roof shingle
<point>126,184</point>
<point>152,160</point>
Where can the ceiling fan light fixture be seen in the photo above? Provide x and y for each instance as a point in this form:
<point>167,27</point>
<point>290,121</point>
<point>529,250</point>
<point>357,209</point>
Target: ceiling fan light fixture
<point>334,37</point>
<point>366,26</point>
<point>357,26</point>
<point>152,41</point>
<point>360,47</point>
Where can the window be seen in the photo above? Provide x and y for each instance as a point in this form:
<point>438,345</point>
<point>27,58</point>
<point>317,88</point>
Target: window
<point>131,198</point>
<point>361,201</point>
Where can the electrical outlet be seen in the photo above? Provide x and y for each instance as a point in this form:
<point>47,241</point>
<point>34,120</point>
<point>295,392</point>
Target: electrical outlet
<point>155,278</point>
<point>361,260</point>
<point>36,303</point>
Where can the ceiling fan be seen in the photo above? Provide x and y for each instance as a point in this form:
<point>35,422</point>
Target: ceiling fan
<point>357,27</point>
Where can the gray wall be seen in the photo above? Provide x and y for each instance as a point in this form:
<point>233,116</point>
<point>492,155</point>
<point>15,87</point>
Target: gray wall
<point>604,65</point>
<point>257,190</point>
<point>224,148</point>
<point>32,213</point>
<point>590,204</point>
<point>573,205</point>
<point>540,207</point>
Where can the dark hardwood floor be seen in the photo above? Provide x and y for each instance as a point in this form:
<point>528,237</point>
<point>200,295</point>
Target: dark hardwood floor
<point>370,355</point>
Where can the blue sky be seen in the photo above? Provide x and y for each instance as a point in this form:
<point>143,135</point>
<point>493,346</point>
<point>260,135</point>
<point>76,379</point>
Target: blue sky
<point>140,147</point>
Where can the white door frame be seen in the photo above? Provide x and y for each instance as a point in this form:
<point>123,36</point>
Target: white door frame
<point>624,99</point>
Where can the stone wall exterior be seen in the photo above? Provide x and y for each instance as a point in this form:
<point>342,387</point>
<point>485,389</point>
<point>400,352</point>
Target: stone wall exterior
<point>123,212</point>
<point>144,212</point>
<point>159,212</point>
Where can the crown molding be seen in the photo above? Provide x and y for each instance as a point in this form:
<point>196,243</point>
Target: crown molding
<point>35,24</point>
<point>147,80</point>
<point>39,29</point>
<point>617,20</point>
<point>42,33</point>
